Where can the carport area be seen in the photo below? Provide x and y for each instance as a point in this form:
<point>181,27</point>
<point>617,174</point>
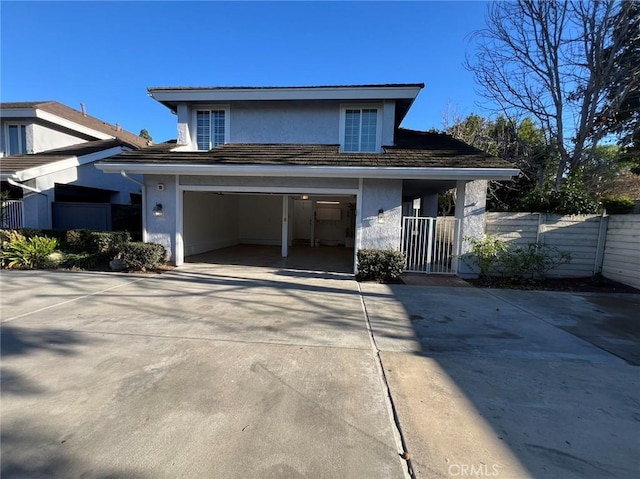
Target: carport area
<point>240,371</point>
<point>298,231</point>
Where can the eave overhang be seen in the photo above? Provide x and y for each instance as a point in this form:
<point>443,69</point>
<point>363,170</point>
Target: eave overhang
<point>62,164</point>
<point>312,171</point>
<point>171,96</point>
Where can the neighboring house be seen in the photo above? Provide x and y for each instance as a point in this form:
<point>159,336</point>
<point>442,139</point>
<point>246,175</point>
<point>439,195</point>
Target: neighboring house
<point>47,156</point>
<point>325,165</point>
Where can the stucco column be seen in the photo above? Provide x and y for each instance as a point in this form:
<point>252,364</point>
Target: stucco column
<point>471,201</point>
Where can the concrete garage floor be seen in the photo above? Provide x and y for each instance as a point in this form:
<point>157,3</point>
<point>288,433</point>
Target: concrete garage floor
<point>237,371</point>
<point>336,259</point>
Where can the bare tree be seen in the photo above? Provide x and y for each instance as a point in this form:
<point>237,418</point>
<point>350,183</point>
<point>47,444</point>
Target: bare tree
<point>551,61</point>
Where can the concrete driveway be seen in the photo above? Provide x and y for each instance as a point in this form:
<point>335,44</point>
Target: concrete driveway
<point>210,372</point>
<point>512,384</point>
<point>233,371</point>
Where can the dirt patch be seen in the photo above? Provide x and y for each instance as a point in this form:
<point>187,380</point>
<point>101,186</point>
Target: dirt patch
<point>575,285</point>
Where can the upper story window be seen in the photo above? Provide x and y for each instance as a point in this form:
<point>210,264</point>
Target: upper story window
<point>212,128</point>
<point>16,139</point>
<point>360,129</point>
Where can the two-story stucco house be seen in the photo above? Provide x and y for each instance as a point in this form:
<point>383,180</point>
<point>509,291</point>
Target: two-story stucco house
<point>314,166</point>
<point>47,156</point>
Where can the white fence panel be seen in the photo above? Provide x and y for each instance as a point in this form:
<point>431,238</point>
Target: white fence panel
<point>12,214</point>
<point>579,235</point>
<point>607,244</point>
<point>622,250</point>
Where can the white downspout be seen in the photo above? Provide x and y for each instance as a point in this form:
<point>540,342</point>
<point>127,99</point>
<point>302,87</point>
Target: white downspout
<point>12,182</point>
<point>144,202</point>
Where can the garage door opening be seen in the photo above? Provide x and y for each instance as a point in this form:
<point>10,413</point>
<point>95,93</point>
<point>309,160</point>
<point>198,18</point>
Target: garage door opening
<point>248,229</point>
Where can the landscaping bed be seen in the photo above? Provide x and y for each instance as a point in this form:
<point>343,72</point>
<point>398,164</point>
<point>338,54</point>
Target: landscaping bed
<point>597,284</point>
<point>78,250</point>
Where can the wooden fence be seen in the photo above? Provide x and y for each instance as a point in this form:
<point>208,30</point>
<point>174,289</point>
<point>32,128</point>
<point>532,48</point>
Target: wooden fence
<point>598,244</point>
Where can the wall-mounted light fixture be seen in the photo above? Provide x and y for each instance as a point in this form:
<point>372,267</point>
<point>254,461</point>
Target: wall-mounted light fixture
<point>157,210</point>
<point>380,215</point>
<point>304,197</point>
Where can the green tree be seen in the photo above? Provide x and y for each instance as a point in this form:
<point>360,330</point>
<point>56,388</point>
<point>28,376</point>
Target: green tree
<point>621,111</point>
<point>145,134</point>
<point>522,144</point>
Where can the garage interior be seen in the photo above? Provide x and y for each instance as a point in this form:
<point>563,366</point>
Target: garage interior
<point>248,229</point>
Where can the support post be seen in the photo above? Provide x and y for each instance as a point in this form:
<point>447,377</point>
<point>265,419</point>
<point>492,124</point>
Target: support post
<point>357,241</point>
<point>602,241</point>
<point>285,226</point>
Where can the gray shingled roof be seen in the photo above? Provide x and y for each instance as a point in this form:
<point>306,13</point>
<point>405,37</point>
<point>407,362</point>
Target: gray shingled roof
<point>76,116</point>
<point>412,149</point>
<point>14,163</point>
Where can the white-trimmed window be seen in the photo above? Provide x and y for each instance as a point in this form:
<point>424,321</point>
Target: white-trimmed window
<point>360,128</point>
<point>212,128</point>
<point>16,139</point>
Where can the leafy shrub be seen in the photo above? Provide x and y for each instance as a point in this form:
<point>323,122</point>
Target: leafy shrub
<point>380,265</point>
<point>620,205</point>
<point>30,253</point>
<point>492,256</point>
<point>59,235</point>
<point>78,240</point>
<point>81,260</point>
<point>569,200</point>
<point>140,256</point>
<point>486,254</point>
<point>533,261</point>
<point>7,236</point>
<point>107,243</point>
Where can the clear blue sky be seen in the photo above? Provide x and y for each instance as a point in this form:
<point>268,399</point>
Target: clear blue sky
<point>105,54</point>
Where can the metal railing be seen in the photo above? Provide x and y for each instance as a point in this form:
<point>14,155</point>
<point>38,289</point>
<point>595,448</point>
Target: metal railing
<point>430,245</point>
<point>12,214</point>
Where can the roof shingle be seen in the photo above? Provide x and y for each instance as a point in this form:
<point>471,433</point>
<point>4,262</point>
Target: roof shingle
<point>14,163</point>
<point>78,117</point>
<point>413,149</point>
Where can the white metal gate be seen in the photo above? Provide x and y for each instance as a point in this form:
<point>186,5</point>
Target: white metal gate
<point>430,245</point>
<point>12,214</point>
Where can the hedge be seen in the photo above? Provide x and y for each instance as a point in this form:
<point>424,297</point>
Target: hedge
<point>140,256</point>
<point>380,265</point>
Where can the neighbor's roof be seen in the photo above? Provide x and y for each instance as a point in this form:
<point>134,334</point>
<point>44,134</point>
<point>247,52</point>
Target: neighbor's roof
<point>15,163</point>
<point>413,149</point>
<point>68,113</point>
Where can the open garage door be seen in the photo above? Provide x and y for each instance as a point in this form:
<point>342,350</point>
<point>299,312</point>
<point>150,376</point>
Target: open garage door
<point>249,229</point>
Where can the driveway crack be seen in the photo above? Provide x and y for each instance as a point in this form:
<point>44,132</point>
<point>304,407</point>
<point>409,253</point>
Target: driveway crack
<point>391,407</point>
